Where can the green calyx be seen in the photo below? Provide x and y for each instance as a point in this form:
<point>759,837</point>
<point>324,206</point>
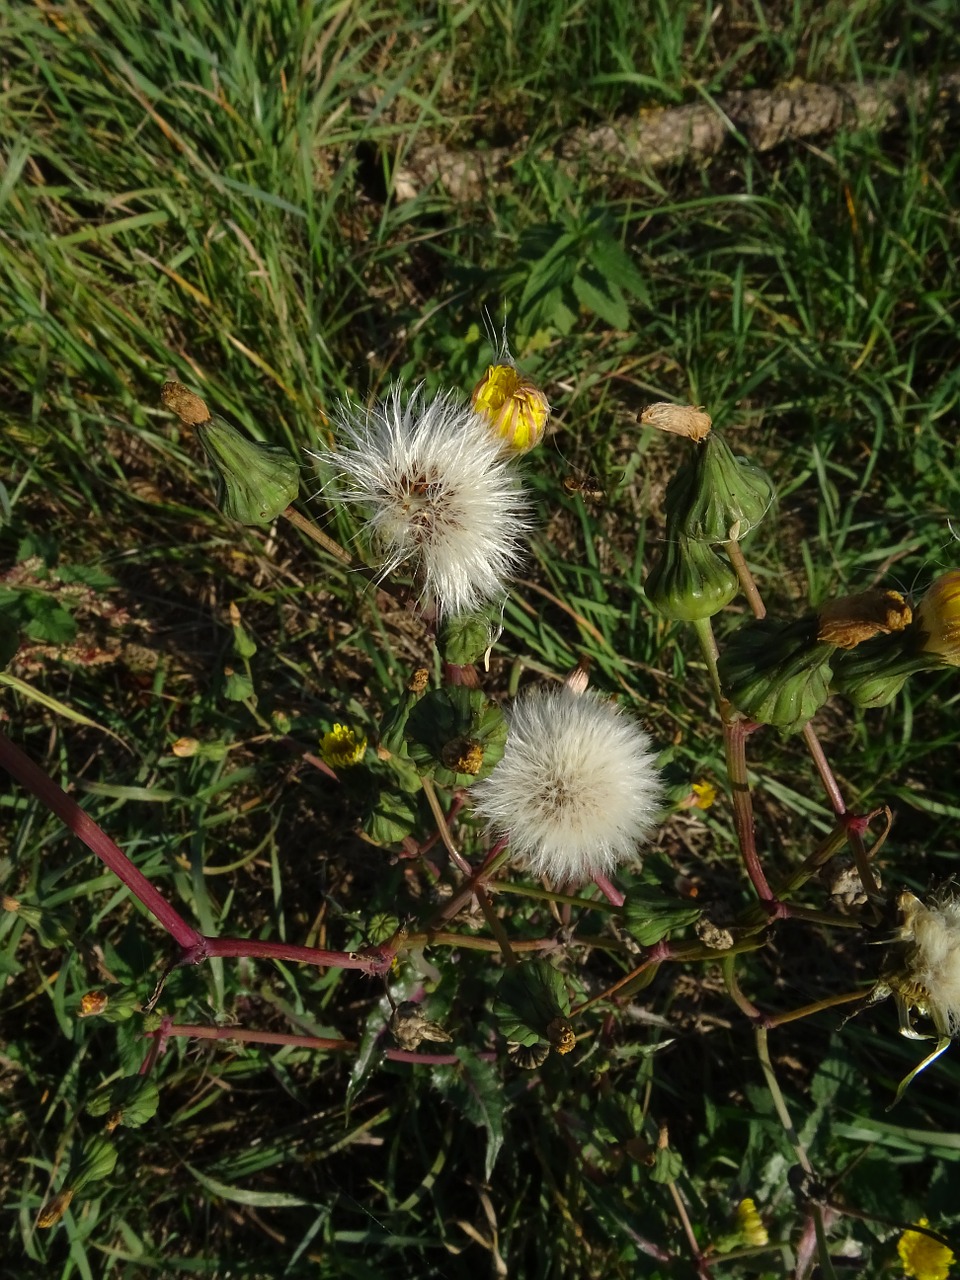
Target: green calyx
<point>872,674</point>
<point>689,581</point>
<point>255,482</point>
<point>717,496</point>
<point>777,673</point>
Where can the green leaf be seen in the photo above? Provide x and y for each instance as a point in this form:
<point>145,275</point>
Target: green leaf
<point>237,686</point>
<point>476,1091</point>
<point>49,622</point>
<point>530,996</point>
<point>616,266</point>
<point>603,298</point>
<point>667,1165</point>
<point>650,914</point>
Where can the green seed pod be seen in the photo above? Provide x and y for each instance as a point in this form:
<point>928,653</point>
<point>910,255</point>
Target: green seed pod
<point>689,581</point>
<point>255,482</point>
<point>874,673</point>
<point>777,672</point>
<point>716,496</point>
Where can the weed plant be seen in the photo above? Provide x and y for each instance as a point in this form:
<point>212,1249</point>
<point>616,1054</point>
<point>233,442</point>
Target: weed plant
<point>204,194</point>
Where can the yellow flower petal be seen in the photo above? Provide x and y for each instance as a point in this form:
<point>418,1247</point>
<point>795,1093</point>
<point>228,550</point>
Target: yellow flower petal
<point>342,747</point>
<point>922,1257</point>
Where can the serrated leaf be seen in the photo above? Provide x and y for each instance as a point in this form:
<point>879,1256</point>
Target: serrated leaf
<point>89,575</point>
<point>667,1165</point>
<point>392,820</point>
<point>475,1089</point>
<point>603,298</point>
<point>49,622</point>
<point>613,262</point>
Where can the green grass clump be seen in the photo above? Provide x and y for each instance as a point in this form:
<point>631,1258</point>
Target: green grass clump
<point>205,194</point>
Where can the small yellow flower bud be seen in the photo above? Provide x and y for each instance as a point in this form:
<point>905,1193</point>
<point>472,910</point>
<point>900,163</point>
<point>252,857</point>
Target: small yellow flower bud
<point>515,407</point>
<point>185,748</point>
<point>939,617</point>
<point>706,794</point>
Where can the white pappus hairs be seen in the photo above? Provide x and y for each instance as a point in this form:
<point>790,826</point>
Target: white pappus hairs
<point>437,493</point>
<point>931,933</point>
<point>577,788</point>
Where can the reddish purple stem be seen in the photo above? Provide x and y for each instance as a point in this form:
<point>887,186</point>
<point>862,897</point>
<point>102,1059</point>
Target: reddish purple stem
<point>83,826</point>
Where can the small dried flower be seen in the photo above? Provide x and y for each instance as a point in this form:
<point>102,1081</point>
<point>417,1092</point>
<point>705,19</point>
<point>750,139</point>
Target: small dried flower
<point>849,620</point>
<point>577,788</point>
<point>923,971</point>
<point>438,492</point>
<point>342,747</point>
<point>922,1257</point>
<point>188,406</point>
<point>410,1026</point>
<point>678,419</point>
<point>938,615</point>
<point>513,406</point>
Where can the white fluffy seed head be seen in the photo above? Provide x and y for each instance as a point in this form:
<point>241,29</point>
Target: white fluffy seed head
<point>577,788</point>
<point>929,973</point>
<point>437,492</point>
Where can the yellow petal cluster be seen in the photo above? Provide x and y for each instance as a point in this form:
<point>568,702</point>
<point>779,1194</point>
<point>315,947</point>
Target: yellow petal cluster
<point>939,616</point>
<point>922,1257</point>
<point>516,408</point>
<point>342,747</point>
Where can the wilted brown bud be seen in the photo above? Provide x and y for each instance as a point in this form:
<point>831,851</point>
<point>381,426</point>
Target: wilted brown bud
<point>189,408</point>
<point>55,1210</point>
<point>419,680</point>
<point>678,419</point>
<point>713,935</point>
<point>849,620</point>
<point>185,748</point>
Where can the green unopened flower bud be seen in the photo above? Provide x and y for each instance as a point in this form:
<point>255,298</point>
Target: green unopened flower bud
<point>395,726</point>
<point>777,672</point>
<point>98,1161</point>
<point>467,637</point>
<point>689,581</point>
<point>114,1003</point>
<point>874,673</point>
<point>255,482</point>
<point>131,1101</point>
<point>716,496</point>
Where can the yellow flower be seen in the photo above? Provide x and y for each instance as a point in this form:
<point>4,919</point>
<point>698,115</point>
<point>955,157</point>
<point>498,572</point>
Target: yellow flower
<point>939,616</point>
<point>752,1230</point>
<point>706,793</point>
<point>342,747</point>
<point>515,407</point>
<point>922,1257</point>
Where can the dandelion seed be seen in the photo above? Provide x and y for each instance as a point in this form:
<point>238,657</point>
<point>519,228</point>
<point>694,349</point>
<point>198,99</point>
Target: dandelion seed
<point>438,493</point>
<point>922,1257</point>
<point>923,971</point>
<point>577,788</point>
